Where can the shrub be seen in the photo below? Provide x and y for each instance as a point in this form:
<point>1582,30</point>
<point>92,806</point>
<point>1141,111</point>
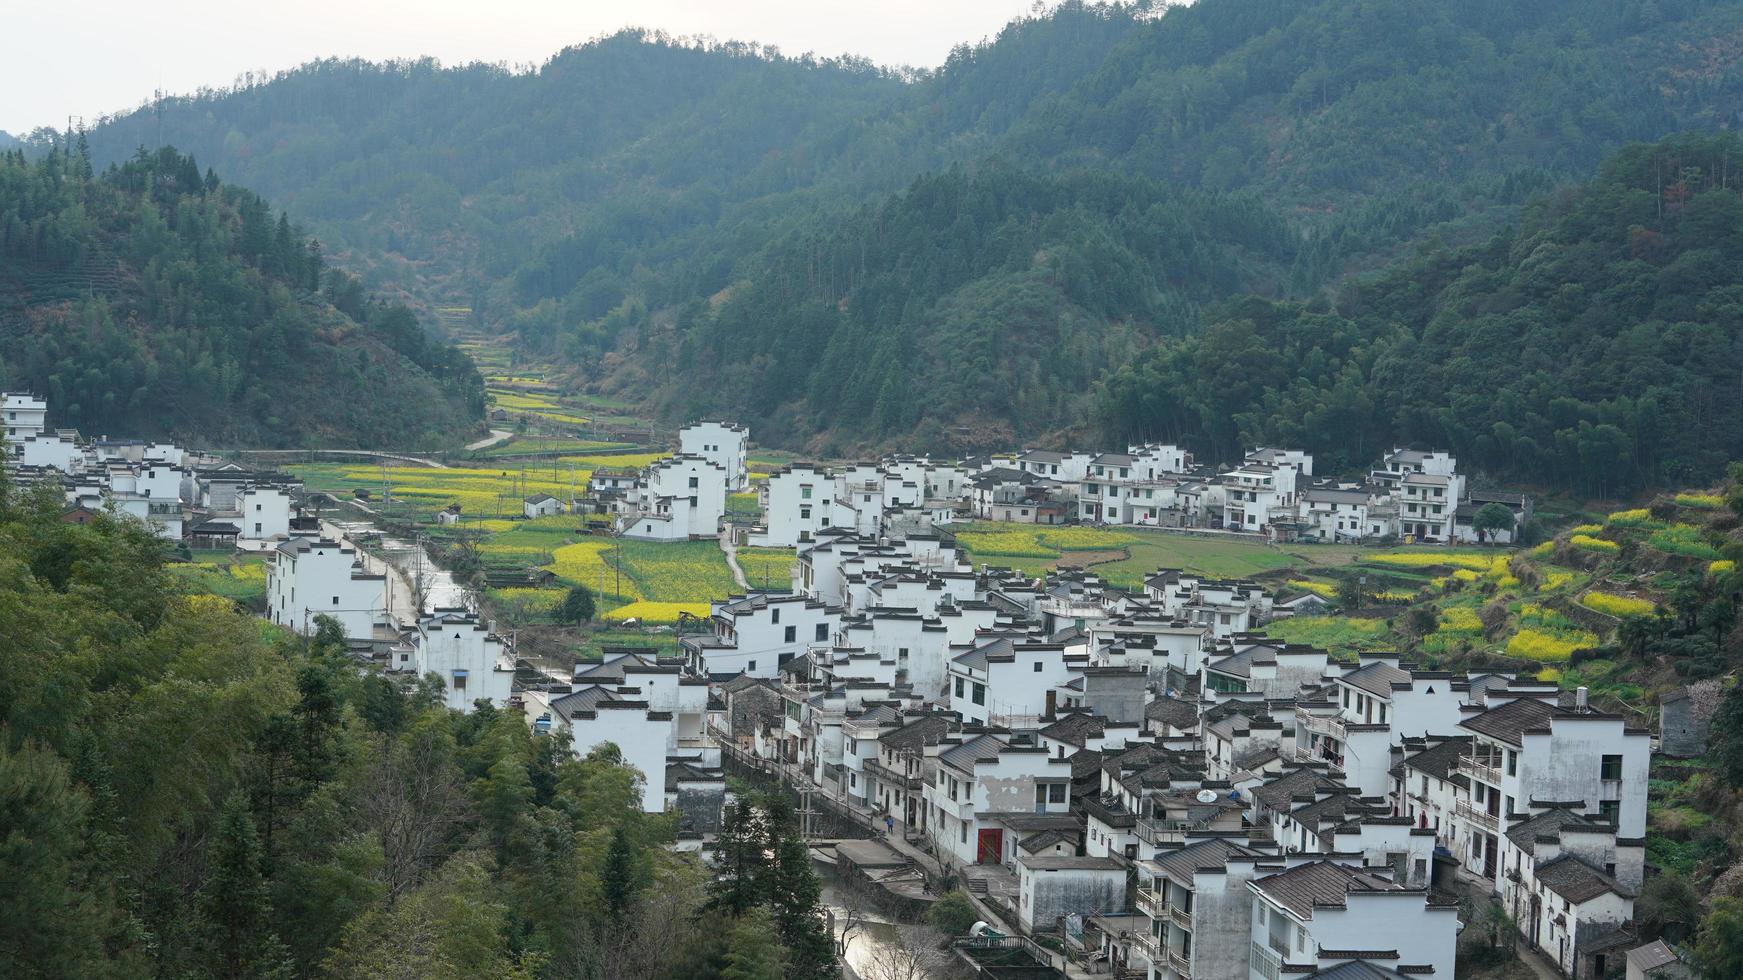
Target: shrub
<point>1461,619</point>
<point>954,913</point>
<point>1723,566</point>
<point>1587,529</point>
<point>1544,550</point>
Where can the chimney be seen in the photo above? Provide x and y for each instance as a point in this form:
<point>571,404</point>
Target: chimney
<point>1580,703</point>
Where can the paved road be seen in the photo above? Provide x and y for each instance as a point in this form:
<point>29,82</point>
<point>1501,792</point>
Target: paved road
<point>496,436</point>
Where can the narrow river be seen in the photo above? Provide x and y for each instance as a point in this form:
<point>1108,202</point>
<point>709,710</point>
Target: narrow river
<point>870,931</point>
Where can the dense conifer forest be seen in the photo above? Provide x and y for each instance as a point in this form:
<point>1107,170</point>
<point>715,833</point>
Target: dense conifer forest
<point>154,300</point>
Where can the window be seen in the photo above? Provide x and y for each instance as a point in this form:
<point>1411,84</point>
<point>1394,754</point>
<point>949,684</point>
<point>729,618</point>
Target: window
<point>980,694</point>
<point>804,493</point>
<point>1611,811</point>
<point>959,687</point>
<point>1056,792</point>
<point>804,513</point>
<point>965,831</point>
<point>256,527</point>
<point>751,666</point>
<point>791,634</point>
<point>335,600</point>
<point>1512,762</point>
<point>459,680</point>
<point>1037,666</point>
<point>1611,769</point>
<point>257,508</point>
<point>693,483</point>
<point>901,652</point>
<point>775,615</point>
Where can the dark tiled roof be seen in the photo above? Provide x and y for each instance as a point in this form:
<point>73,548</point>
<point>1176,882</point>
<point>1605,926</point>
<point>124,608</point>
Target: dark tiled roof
<point>1076,728</point>
<point>1277,793</point>
<point>1180,863</point>
<point>1377,677</point>
<point>974,750</point>
<point>1355,970</point>
<point>1440,761</point>
<point>1546,824</point>
<point>1173,711</point>
<point>1510,721</point>
<point>1578,881</point>
<point>921,732</point>
<point>1321,883</point>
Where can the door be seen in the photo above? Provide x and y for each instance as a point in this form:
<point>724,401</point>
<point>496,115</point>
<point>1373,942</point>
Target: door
<point>991,847</point>
<point>1489,850</point>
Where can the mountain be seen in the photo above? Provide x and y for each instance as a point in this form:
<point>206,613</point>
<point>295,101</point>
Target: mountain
<point>152,301</point>
<point>623,203</point>
<point>1599,345</point>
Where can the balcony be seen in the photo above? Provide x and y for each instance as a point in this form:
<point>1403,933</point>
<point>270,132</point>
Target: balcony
<point>1181,964</point>
<point>1161,833</point>
<point>884,774</point>
<point>1181,917</point>
<point>1265,962</point>
<point>1329,725</point>
<point>1149,946</point>
<point>1480,769</point>
<point>1482,818</point>
<point>1151,903</point>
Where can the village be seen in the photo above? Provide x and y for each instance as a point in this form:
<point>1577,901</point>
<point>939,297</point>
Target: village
<point>1146,779</point>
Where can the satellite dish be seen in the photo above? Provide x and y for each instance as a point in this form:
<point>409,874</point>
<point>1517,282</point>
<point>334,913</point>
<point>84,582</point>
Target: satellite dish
<point>1207,796</point>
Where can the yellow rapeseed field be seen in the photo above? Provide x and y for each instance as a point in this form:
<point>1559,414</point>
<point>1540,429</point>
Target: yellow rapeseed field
<point>657,612</point>
<point>1617,605</point>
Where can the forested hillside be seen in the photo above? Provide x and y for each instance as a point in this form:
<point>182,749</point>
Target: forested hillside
<point>636,197</point>
<point>189,792</point>
<point>153,301</point>
<point>1599,346</point>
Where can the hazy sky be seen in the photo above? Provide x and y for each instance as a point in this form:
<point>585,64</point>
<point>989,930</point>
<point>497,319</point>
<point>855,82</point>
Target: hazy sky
<point>100,56</point>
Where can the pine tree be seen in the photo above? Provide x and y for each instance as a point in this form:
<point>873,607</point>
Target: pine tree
<point>742,853</point>
<point>796,898</point>
<point>618,881</point>
<point>240,941</point>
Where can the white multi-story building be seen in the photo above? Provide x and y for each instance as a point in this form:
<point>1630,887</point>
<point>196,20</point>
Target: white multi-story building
<point>266,513</point>
<point>1319,913</point>
<point>309,577</point>
<point>1010,681</point>
<point>674,499</point>
<point>473,663</point>
<point>1198,909</point>
<point>26,416</point>
<point>983,776</point>
<point>725,444</point>
<point>798,503</point>
<point>1530,750</point>
<point>758,633</point>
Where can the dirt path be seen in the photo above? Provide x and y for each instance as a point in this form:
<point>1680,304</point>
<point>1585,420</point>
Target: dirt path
<point>730,549</point>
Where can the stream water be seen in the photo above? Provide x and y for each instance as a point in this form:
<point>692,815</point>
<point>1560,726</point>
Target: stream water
<point>870,931</point>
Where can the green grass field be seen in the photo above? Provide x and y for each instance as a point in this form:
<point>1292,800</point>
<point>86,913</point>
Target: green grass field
<point>1036,550</point>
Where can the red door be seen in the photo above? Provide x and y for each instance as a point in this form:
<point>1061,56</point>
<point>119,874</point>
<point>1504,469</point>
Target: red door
<point>991,848</point>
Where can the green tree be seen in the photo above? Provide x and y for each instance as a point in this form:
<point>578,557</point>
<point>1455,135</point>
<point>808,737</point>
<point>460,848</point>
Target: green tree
<point>619,881</point>
<point>1725,737</point>
<point>742,854</point>
<point>1490,519</point>
<point>1350,593</point>
<point>577,606</point>
<point>241,941</point>
<point>954,913</point>
<point>1719,944</point>
<point>796,900</point>
<point>1668,906</point>
<point>754,953</point>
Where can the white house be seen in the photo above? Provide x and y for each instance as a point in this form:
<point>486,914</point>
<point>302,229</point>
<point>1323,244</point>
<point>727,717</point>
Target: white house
<point>1316,914</point>
<point>1010,681</point>
<point>674,499</point>
<point>266,513</point>
<point>798,502</point>
<point>472,661</point>
<point>308,577</point>
<point>638,732</point>
<point>1198,909</point>
<point>756,634</point>
<point>982,777</point>
<point>541,505</point>
<point>725,444</point>
<point>26,416</point>
<point>1531,749</point>
<point>1052,887</point>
